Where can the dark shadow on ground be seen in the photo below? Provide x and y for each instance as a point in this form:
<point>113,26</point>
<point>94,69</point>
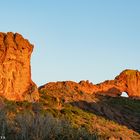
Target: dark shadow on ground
<point>124,111</point>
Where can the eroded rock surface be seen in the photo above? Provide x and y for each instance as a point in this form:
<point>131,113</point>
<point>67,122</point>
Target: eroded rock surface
<point>15,70</point>
<point>128,81</point>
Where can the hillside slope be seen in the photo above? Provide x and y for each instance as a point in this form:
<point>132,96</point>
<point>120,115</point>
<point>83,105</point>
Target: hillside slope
<point>66,114</point>
<point>108,117</point>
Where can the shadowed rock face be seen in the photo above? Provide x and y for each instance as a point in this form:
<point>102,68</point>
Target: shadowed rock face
<point>128,81</point>
<point>15,71</point>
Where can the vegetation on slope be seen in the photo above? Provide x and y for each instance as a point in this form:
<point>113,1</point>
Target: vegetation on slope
<point>30,121</point>
<point>105,116</point>
<point>67,118</point>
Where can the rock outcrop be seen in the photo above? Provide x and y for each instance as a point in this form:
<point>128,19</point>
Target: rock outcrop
<point>16,83</point>
<point>15,70</point>
<point>69,90</point>
<point>128,81</point>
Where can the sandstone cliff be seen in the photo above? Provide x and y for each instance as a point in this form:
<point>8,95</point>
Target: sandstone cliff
<point>128,81</point>
<point>16,83</point>
<point>15,70</point>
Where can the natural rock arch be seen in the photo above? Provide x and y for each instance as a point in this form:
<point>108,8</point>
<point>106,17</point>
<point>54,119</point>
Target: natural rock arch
<point>124,94</point>
<point>127,81</point>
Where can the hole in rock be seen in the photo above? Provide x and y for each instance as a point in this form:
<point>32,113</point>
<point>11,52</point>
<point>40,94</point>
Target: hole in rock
<point>124,94</point>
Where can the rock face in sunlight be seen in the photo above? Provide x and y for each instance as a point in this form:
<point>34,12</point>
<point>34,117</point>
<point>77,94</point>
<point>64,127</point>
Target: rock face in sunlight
<point>128,81</point>
<point>15,70</point>
<point>16,83</point>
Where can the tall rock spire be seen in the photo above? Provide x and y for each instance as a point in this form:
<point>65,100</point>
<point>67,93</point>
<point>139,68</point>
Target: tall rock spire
<point>15,70</point>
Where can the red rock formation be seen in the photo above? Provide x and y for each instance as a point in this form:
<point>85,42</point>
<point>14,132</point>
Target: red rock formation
<point>128,81</point>
<point>69,90</point>
<point>15,71</point>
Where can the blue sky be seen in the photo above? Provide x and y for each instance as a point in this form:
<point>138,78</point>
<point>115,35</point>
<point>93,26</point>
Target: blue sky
<point>76,39</point>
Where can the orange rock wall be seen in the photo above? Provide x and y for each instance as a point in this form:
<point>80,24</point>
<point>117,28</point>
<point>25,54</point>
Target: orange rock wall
<point>128,81</point>
<point>15,70</point>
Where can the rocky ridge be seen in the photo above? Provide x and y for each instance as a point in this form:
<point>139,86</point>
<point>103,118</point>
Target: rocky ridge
<point>127,81</point>
<point>16,83</point>
<point>80,103</point>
